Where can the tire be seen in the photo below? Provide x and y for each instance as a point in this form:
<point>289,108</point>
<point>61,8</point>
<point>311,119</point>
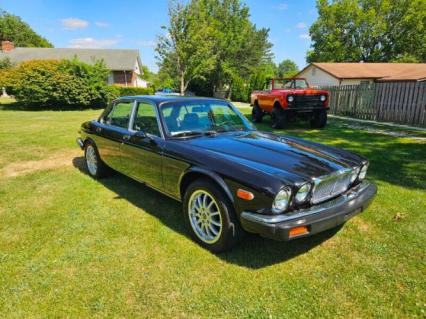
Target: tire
<point>95,166</point>
<point>278,118</point>
<point>319,119</point>
<point>257,113</point>
<point>213,206</point>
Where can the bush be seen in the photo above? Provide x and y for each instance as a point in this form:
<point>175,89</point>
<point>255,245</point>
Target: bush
<point>132,91</point>
<point>60,83</point>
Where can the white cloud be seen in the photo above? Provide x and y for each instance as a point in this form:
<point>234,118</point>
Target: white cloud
<point>74,23</point>
<point>102,24</point>
<point>301,25</point>
<point>147,43</point>
<point>92,43</point>
<point>304,36</point>
<point>282,6</point>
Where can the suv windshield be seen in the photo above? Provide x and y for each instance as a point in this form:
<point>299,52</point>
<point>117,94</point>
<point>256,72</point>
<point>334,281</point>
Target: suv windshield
<point>280,84</point>
<point>191,118</point>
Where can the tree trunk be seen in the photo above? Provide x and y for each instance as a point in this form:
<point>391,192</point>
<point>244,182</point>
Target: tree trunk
<point>182,84</point>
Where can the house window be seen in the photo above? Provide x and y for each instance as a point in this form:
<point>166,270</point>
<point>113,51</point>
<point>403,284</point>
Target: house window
<point>314,71</point>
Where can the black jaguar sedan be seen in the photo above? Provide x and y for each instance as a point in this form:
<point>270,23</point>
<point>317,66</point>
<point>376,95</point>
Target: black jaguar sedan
<point>229,177</point>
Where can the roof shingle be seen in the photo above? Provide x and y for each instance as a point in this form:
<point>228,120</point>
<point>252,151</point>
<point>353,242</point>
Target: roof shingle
<point>115,59</point>
<point>378,71</point>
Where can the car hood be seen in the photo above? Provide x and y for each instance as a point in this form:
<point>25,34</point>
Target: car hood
<point>291,158</point>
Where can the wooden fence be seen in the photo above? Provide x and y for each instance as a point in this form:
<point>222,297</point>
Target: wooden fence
<point>399,102</point>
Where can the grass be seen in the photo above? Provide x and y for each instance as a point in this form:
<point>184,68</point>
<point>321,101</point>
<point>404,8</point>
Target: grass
<point>71,246</point>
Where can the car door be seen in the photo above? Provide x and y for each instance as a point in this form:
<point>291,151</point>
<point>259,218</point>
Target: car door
<point>112,128</point>
<point>141,150</point>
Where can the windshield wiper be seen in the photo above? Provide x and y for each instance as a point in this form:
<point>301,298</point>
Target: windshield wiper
<point>192,133</point>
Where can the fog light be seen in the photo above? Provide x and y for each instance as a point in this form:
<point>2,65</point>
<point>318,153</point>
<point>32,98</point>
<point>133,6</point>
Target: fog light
<point>297,231</point>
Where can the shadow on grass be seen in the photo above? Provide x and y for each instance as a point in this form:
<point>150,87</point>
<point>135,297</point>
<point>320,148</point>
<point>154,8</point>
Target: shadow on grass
<point>252,252</point>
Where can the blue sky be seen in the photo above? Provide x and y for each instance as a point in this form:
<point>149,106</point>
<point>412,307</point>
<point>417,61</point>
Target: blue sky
<point>135,24</point>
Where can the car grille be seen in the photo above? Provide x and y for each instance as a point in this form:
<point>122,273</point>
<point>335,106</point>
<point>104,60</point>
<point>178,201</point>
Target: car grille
<point>307,100</point>
<point>330,186</point>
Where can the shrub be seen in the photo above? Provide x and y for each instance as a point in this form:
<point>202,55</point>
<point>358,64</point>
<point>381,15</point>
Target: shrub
<point>132,91</point>
<point>60,83</point>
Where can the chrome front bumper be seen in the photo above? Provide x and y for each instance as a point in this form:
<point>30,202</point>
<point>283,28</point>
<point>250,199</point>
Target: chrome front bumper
<point>316,218</point>
<point>80,143</point>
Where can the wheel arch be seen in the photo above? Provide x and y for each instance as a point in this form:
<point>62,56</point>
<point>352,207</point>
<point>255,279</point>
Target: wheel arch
<point>194,173</point>
<point>277,104</point>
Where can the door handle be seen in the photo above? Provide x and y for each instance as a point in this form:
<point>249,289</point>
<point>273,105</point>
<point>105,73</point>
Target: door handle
<point>98,130</point>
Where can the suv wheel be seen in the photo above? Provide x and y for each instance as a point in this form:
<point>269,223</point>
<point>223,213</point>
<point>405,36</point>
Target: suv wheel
<point>319,119</point>
<point>256,113</point>
<point>278,118</point>
<point>95,166</point>
<point>210,216</point>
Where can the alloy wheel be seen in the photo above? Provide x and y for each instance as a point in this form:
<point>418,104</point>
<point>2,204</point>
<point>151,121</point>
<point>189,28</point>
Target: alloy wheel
<point>204,216</point>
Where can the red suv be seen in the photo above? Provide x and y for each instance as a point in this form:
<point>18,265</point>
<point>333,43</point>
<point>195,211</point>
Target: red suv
<point>284,98</point>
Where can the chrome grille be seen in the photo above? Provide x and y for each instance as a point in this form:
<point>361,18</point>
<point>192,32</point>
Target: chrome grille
<point>331,185</point>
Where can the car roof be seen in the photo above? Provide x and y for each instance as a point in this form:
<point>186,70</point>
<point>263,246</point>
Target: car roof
<point>159,99</point>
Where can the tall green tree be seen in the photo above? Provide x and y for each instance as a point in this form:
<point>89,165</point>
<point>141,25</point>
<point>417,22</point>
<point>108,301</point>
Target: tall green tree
<point>185,51</point>
<point>287,68</point>
<point>369,30</point>
<point>12,28</point>
<point>212,41</point>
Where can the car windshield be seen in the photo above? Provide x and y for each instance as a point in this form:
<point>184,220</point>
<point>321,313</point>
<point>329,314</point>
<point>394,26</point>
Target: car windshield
<point>198,118</point>
<point>289,84</point>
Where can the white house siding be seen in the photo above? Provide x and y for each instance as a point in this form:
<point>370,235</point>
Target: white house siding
<point>317,77</point>
<point>139,82</point>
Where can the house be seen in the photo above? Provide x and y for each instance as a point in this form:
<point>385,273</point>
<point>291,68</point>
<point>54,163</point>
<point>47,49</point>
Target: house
<point>125,65</point>
<point>333,74</point>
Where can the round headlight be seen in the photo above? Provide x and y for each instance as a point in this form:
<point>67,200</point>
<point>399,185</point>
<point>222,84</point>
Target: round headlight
<point>281,201</point>
<point>290,98</point>
<point>303,193</point>
<point>363,172</point>
<point>323,98</point>
<point>355,173</point>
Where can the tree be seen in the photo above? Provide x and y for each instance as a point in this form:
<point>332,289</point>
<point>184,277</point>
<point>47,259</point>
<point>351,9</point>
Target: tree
<point>185,51</point>
<point>369,31</point>
<point>12,28</point>
<point>287,69</point>
<point>212,41</point>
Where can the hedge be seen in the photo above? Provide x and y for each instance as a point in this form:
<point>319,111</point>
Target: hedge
<point>59,83</point>
<point>132,91</point>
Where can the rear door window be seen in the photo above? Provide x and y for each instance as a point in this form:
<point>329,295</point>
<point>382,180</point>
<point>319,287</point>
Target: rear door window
<point>119,114</point>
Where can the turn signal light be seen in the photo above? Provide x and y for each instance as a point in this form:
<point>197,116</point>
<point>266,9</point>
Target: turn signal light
<point>296,231</point>
<point>241,193</point>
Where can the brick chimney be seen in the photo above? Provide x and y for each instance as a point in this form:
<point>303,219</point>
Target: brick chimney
<point>7,46</point>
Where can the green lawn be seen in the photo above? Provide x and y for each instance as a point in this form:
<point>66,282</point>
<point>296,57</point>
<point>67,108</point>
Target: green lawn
<point>71,246</point>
